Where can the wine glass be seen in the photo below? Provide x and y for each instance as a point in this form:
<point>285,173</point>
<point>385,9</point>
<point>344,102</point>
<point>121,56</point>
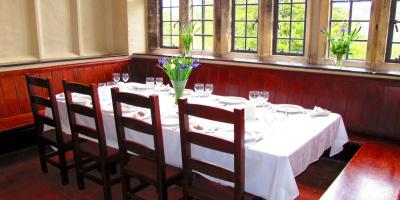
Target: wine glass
<point>209,88</point>
<point>116,77</point>
<point>264,95</point>
<point>150,81</point>
<point>159,82</point>
<point>253,96</point>
<point>125,77</point>
<point>199,88</point>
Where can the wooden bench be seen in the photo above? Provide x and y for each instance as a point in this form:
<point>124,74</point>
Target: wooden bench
<point>373,173</point>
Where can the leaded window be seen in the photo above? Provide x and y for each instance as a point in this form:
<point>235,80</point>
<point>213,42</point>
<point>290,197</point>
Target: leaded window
<point>245,25</point>
<point>169,26</point>
<point>289,27</point>
<point>347,15</point>
<point>393,46</point>
<point>203,21</point>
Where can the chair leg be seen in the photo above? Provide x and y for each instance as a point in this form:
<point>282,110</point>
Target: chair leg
<point>79,175</point>
<point>42,157</point>
<point>126,184</point>
<point>106,181</point>
<point>162,192</point>
<point>63,167</point>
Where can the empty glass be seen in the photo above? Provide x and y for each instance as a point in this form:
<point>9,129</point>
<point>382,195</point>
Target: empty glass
<point>159,81</point>
<point>264,95</point>
<point>116,77</point>
<point>253,96</point>
<point>209,88</point>
<point>199,88</point>
<point>125,77</point>
<point>150,81</point>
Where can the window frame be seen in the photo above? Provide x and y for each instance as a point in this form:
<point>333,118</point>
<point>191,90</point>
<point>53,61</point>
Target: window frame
<point>275,29</point>
<point>161,32</point>
<point>233,14</point>
<point>203,21</point>
<point>392,24</point>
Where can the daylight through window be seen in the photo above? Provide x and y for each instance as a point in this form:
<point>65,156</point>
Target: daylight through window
<point>289,27</point>
<point>169,23</point>
<point>245,25</point>
<point>348,15</point>
<point>393,47</point>
<point>203,20</point>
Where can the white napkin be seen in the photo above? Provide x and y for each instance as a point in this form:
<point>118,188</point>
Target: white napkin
<point>319,112</point>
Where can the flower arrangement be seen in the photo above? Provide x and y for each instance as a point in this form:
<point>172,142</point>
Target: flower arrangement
<point>340,46</point>
<point>178,68</point>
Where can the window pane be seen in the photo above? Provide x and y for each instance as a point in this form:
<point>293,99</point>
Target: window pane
<point>166,14</point>
<point>175,3</point>
<point>208,28</point>
<point>359,11</point>
<point>209,12</point>
<point>197,12</point>
<point>252,29</point>
<point>175,14</point>
<point>395,52</point>
<point>175,41</point>
<point>209,43</point>
<point>197,43</point>
<point>252,44</point>
<point>166,3</point>
<point>240,13</point>
<point>197,2</point>
<point>198,28</point>
<point>340,11</point>
<point>393,46</point>
<point>252,12</point>
<point>240,29</point>
<point>358,50</point>
<point>240,44</point>
<point>290,24</point>
<point>202,18</point>
<point>167,40</point>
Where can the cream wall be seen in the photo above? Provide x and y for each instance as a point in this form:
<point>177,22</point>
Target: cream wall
<point>43,30</point>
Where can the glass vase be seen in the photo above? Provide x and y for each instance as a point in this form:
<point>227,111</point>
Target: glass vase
<point>179,87</point>
<point>339,60</point>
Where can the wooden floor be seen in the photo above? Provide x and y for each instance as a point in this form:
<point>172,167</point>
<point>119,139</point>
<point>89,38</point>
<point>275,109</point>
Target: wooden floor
<point>21,178</point>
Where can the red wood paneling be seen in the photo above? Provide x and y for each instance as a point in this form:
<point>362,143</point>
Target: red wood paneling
<point>368,105</point>
<point>14,101</point>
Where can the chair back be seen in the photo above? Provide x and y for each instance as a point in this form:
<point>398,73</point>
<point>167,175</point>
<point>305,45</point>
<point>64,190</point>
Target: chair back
<point>94,112</point>
<point>36,87</point>
<point>154,129</point>
<point>236,148</point>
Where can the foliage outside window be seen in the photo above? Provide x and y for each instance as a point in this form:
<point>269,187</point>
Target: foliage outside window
<point>289,27</point>
<point>393,46</point>
<point>348,15</point>
<point>245,25</point>
<point>169,23</point>
<point>203,21</point>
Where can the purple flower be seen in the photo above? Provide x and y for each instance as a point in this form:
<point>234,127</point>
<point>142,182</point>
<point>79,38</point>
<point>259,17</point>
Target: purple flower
<point>342,29</point>
<point>162,61</point>
<point>196,63</point>
<point>184,54</point>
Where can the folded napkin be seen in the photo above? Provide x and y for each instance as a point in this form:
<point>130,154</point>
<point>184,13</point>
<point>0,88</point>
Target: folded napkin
<point>319,112</point>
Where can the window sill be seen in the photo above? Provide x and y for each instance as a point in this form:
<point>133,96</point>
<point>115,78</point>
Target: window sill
<point>286,65</point>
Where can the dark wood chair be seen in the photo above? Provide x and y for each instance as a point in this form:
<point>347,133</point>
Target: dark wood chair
<point>148,165</point>
<point>93,153</point>
<point>194,185</point>
<point>54,136</point>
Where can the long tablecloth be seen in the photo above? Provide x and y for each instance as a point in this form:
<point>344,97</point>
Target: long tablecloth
<point>290,143</point>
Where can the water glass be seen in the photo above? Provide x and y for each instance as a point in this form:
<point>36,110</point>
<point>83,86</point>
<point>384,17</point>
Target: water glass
<point>199,88</point>
<point>264,95</point>
<point>159,81</point>
<point>116,77</point>
<point>125,77</point>
<point>150,81</point>
<point>254,95</point>
<point>209,88</point>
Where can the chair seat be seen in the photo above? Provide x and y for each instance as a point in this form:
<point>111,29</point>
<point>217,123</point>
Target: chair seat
<point>91,149</point>
<point>50,136</point>
<point>142,167</point>
<point>213,190</point>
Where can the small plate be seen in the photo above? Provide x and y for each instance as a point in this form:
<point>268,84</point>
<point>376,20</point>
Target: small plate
<point>288,108</point>
<point>232,100</point>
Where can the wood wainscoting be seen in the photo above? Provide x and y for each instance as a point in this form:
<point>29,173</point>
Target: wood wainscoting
<point>369,106</point>
<point>15,110</point>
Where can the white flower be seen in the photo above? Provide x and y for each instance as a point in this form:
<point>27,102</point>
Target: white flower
<point>172,66</point>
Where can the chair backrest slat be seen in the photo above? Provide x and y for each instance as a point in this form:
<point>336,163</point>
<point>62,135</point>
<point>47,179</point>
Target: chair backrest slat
<point>212,170</point>
<point>82,110</point>
<point>136,124</point>
<point>89,132</point>
<point>140,149</point>
<point>154,129</point>
<point>236,148</point>
<point>94,112</point>
<point>211,142</point>
<point>35,85</point>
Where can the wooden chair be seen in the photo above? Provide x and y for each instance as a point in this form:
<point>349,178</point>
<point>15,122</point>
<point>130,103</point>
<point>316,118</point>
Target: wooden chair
<point>94,150</point>
<point>196,186</point>
<point>54,136</point>
<point>148,165</point>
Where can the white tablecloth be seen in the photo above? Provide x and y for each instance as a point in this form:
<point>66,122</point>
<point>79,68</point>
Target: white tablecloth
<point>290,143</point>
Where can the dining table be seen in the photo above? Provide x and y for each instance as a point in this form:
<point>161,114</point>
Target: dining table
<point>279,144</point>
